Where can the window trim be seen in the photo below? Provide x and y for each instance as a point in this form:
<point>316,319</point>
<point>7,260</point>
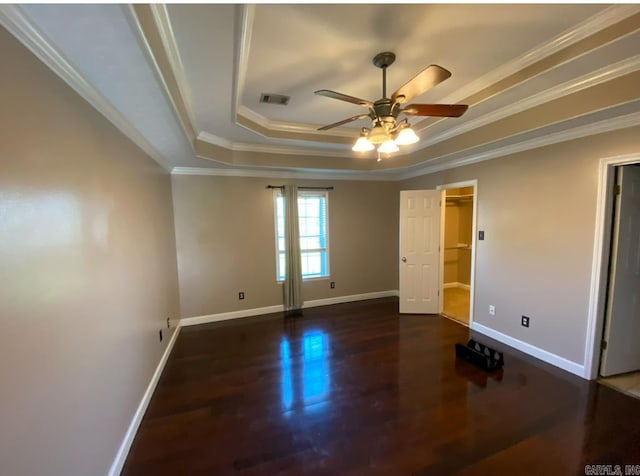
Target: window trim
<point>325,193</point>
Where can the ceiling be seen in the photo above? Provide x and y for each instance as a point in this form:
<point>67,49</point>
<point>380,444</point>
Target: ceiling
<point>184,81</point>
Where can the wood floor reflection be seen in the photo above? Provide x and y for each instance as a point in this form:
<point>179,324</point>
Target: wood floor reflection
<point>357,389</point>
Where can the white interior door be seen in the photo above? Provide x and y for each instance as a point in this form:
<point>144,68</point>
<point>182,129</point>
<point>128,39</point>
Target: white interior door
<point>622,324</point>
<point>419,251</point>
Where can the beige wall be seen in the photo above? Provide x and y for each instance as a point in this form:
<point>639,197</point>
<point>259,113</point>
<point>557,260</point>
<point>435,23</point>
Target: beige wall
<point>226,244</point>
<point>87,272</point>
<point>537,209</point>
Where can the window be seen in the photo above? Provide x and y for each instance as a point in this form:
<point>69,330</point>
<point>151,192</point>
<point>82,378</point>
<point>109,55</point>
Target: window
<point>314,247</point>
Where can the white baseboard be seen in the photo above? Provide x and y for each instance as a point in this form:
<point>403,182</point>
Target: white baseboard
<point>532,350</point>
<point>456,284</point>
<point>223,316</point>
<point>125,446</point>
<point>351,298</point>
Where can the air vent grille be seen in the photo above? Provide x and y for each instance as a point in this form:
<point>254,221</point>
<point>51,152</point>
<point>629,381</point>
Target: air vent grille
<point>278,99</point>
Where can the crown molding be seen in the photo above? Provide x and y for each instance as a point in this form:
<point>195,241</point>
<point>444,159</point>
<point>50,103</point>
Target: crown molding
<point>165,30</point>
<point>602,75</point>
<point>215,140</point>
<point>20,26</point>
<point>470,157</point>
<point>307,174</point>
<point>241,59</point>
<point>292,126</point>
<point>289,150</point>
<point>457,160</point>
<point>268,148</point>
<point>607,17</point>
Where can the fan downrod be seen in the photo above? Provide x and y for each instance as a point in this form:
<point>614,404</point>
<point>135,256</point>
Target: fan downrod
<point>384,59</point>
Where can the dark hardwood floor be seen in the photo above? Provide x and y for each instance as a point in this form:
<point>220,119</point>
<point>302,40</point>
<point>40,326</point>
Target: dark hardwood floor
<point>357,389</point>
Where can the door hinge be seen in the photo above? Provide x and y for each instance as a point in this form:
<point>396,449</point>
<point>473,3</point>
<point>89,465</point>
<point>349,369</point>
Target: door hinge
<point>603,345</point>
<point>616,190</point>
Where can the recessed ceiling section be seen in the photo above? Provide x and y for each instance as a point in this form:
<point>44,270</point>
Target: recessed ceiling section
<point>294,50</point>
<point>331,47</point>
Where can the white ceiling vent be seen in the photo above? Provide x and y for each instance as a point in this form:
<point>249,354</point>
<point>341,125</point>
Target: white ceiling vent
<point>278,99</point>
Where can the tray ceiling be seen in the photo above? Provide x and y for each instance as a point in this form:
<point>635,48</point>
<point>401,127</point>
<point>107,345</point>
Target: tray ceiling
<point>184,81</point>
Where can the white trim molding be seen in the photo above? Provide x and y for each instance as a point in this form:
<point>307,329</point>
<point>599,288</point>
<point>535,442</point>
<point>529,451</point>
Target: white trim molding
<point>607,17</point>
<point>468,156</point>
<point>224,316</point>
<point>244,26</point>
<point>591,79</point>
<point>600,263</point>
<point>292,126</point>
<point>165,30</point>
<point>350,298</point>
<point>370,176</point>
<point>271,148</point>
<point>529,349</point>
<point>20,26</point>
<point>458,159</point>
<point>125,446</point>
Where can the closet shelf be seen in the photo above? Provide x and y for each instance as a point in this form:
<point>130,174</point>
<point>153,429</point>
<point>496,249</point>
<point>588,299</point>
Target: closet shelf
<point>459,197</point>
<point>458,247</point>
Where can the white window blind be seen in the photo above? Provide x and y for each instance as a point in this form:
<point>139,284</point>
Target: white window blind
<point>314,243</point>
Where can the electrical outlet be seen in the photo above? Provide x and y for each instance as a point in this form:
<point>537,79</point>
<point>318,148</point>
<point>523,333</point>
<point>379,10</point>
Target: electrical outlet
<point>168,323</point>
<point>492,310</point>
<point>333,284</point>
<point>481,235</point>
<point>160,334</point>
<point>241,295</point>
<point>525,321</point>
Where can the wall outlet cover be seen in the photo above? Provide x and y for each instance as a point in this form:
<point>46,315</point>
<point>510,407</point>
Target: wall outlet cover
<point>241,295</point>
<point>525,321</point>
<point>492,310</point>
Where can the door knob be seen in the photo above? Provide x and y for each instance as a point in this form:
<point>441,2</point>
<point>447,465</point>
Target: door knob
<point>404,259</point>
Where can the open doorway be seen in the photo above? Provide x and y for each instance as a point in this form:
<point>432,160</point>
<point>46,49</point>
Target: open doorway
<point>620,354</point>
<point>457,247</point>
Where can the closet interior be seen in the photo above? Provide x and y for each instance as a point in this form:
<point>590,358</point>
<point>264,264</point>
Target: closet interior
<point>458,228</point>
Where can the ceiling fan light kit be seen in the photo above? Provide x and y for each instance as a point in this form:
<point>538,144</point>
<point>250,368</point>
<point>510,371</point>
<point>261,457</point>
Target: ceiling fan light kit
<point>388,146</point>
<point>407,136</point>
<point>363,144</point>
<point>387,133</point>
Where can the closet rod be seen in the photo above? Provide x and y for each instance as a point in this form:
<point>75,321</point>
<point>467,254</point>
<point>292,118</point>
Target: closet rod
<point>301,188</point>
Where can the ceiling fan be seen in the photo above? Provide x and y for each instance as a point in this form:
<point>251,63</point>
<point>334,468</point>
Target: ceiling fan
<point>387,132</point>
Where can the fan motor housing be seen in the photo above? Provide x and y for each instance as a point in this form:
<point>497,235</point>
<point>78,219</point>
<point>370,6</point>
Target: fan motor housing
<point>385,108</point>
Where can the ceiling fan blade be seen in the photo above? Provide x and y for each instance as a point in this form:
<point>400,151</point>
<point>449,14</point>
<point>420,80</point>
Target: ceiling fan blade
<point>345,121</point>
<point>431,76</point>
<point>438,110</point>
<point>344,97</point>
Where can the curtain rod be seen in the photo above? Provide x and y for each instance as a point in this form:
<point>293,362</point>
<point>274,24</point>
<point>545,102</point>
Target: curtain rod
<point>302,188</point>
